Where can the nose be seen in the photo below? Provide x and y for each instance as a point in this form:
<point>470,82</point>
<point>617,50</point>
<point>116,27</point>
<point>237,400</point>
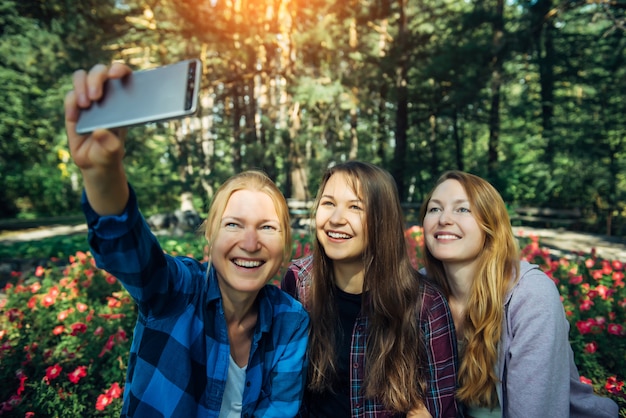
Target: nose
<point>336,217</point>
<point>250,240</point>
<point>444,218</point>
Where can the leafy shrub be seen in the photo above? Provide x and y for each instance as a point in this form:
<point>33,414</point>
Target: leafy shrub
<point>64,341</point>
<point>594,297</point>
<point>65,331</point>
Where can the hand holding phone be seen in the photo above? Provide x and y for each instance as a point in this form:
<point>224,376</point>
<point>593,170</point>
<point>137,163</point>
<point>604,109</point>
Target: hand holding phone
<point>145,96</point>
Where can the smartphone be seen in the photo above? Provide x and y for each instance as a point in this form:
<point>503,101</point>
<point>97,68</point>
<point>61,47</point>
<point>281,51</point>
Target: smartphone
<point>145,96</point>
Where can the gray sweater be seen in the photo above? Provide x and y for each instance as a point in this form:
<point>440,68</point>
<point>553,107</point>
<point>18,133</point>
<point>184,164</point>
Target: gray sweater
<point>535,362</point>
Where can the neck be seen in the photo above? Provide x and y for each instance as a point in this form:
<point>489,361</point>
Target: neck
<point>241,313</point>
<point>460,279</point>
<point>349,277</point>
<point>237,307</point>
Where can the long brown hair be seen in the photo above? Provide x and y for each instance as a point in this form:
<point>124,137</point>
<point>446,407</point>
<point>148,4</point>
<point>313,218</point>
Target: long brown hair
<point>498,263</point>
<point>394,359</point>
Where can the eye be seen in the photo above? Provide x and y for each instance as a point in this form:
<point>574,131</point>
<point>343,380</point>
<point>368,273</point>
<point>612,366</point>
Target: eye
<point>356,207</point>
<point>433,209</point>
<point>464,210</point>
<point>269,229</point>
<point>327,203</point>
<point>231,225</point>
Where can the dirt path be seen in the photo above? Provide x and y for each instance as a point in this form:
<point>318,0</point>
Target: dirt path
<point>559,240</point>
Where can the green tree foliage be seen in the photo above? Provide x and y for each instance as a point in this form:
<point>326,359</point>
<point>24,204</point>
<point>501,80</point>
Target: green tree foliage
<point>39,43</point>
<point>528,94</point>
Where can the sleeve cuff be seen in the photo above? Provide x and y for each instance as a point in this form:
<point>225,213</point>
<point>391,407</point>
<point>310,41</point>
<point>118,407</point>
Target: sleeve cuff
<point>112,226</point>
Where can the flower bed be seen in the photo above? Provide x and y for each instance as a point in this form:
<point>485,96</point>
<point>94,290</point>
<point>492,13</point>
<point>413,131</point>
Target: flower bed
<point>65,331</point>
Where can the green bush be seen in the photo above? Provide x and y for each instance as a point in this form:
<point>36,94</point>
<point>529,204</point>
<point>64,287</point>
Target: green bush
<point>65,331</point>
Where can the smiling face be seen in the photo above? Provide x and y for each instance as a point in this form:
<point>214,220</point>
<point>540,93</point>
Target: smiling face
<point>248,248</point>
<point>451,231</point>
<point>340,220</point>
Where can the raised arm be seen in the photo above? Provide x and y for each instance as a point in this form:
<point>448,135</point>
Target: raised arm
<point>99,154</point>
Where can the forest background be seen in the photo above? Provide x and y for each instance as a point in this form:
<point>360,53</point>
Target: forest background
<point>528,94</point>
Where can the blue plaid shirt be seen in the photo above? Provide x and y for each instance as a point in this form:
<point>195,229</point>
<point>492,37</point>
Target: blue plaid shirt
<point>180,352</point>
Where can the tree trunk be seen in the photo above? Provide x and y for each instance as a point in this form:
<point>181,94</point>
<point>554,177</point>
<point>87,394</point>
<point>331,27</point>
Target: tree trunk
<point>402,113</point>
<point>496,84</point>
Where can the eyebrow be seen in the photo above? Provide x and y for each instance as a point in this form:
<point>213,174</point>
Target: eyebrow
<point>456,201</point>
<point>333,197</point>
<point>241,220</point>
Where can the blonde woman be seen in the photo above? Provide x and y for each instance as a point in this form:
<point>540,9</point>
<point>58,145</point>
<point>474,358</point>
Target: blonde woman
<point>515,357</point>
<point>212,339</point>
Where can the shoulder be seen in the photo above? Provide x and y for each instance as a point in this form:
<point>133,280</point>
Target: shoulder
<point>297,278</point>
<point>534,296</point>
<point>280,302</point>
<point>281,315</point>
<point>434,304</point>
<point>432,296</point>
<point>533,283</point>
<point>302,265</point>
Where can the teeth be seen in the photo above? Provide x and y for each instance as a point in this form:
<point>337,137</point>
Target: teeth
<point>247,264</point>
<point>447,237</point>
<point>338,235</point>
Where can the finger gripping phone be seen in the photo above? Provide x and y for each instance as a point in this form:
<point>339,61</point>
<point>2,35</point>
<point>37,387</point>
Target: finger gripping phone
<point>146,96</point>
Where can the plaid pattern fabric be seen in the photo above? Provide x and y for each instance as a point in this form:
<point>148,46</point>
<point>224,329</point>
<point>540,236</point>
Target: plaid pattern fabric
<point>439,337</point>
<point>179,356</point>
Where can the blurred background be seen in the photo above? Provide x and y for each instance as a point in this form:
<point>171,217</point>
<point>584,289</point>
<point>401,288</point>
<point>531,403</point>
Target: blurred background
<point>528,94</point>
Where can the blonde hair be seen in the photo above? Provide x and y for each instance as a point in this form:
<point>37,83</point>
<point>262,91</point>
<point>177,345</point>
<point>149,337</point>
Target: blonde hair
<point>497,264</point>
<point>394,355</point>
<point>249,180</point>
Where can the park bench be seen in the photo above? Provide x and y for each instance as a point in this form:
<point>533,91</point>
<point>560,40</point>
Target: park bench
<point>546,217</point>
<point>300,212</point>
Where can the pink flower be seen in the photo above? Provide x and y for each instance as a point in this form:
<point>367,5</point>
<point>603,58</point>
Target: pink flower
<point>105,399</point>
<point>102,402</point>
<point>586,381</point>
<point>585,305</point>
<point>39,271</point>
<point>115,391</point>
<point>590,262</point>
<point>22,378</point>
<point>77,374</point>
<point>58,330</point>
<point>110,279</point>
<point>62,316</point>
<point>587,326</point>
<point>81,307</point>
<point>78,327</point>
<point>603,291</point>
<point>107,346</point>
<point>615,329</point>
<point>591,347</point>
<point>574,280</point>
<point>596,274</point>
<point>53,372</point>
<point>614,386</point>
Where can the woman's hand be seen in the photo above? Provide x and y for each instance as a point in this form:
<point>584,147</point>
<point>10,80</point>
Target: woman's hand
<point>99,154</point>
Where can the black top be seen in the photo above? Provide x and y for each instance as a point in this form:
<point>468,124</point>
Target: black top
<point>336,403</point>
